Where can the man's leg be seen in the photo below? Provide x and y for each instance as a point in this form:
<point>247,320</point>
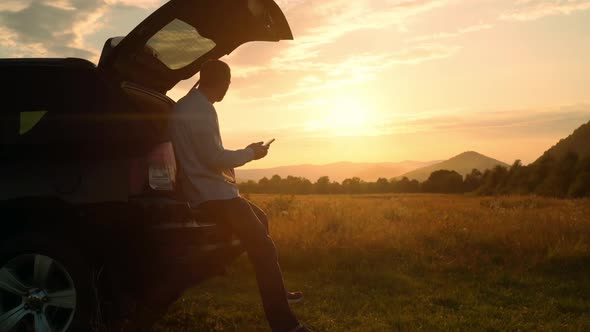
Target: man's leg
<point>262,253</point>
<point>260,214</point>
<point>292,297</point>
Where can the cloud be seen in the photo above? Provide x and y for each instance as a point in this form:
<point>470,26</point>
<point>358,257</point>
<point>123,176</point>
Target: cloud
<point>319,25</point>
<point>457,33</point>
<point>339,18</point>
<point>524,121</point>
<point>286,5</point>
<point>51,28</point>
<point>13,5</point>
<point>9,41</point>
<point>527,10</point>
<point>48,28</point>
<point>312,76</point>
<point>530,124</point>
<point>314,61</point>
<point>145,4</point>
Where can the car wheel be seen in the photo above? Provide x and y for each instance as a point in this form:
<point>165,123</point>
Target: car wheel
<point>44,286</point>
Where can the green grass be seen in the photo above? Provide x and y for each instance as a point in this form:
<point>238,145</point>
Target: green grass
<point>412,263</point>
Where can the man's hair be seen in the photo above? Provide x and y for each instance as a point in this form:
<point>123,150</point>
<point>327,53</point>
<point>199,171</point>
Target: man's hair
<point>214,72</point>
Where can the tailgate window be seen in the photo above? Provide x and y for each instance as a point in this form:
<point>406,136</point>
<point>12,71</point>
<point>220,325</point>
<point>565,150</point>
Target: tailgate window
<point>178,44</point>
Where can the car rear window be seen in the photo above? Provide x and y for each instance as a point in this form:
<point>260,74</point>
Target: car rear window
<point>178,44</point>
<point>28,120</point>
<point>15,125</point>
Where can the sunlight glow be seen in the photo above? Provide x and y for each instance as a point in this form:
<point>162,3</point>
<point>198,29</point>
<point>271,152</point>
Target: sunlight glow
<point>342,116</point>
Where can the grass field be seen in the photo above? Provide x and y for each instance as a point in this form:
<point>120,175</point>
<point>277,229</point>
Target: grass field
<point>412,263</point>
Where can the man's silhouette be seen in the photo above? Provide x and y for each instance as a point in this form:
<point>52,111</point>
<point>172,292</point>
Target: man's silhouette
<point>207,179</point>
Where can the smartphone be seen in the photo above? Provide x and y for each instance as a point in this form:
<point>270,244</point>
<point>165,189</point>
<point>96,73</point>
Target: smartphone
<point>267,144</point>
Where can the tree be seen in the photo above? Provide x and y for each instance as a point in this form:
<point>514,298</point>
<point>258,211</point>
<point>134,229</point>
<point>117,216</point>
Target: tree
<point>492,180</point>
<point>472,180</point>
<point>444,181</point>
<point>580,186</point>
<point>558,176</point>
<point>352,186</point>
<point>322,185</point>
<point>540,172</point>
<point>382,186</point>
<point>248,187</point>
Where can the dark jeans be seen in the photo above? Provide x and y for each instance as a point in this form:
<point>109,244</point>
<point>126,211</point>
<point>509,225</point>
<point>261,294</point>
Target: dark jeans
<point>250,224</point>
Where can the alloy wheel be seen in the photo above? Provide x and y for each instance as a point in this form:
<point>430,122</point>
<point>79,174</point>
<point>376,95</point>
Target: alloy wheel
<point>36,294</point>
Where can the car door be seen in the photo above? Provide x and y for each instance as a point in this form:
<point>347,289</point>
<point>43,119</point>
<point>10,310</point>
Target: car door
<point>171,44</point>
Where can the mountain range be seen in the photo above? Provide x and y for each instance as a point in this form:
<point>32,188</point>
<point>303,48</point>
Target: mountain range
<point>336,171</point>
<point>462,164</point>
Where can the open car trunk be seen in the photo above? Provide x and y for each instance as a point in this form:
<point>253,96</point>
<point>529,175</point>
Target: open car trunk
<point>172,43</point>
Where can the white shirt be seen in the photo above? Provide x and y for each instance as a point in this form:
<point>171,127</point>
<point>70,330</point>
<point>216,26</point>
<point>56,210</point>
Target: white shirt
<point>206,167</point>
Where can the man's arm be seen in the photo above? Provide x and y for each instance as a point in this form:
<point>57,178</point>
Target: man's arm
<point>210,150</point>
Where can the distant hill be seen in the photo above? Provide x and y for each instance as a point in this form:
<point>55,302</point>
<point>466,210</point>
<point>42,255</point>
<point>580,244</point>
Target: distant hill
<point>336,171</point>
<point>463,164</point>
<point>578,142</point>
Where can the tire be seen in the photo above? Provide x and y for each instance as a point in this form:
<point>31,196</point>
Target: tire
<point>54,283</point>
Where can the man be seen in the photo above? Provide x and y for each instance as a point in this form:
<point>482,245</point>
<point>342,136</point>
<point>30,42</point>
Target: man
<point>207,179</point>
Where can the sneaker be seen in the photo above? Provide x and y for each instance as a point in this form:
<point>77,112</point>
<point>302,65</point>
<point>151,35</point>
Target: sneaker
<point>294,297</point>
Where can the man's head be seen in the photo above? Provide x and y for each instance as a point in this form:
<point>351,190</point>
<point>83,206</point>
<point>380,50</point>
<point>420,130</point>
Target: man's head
<point>215,79</point>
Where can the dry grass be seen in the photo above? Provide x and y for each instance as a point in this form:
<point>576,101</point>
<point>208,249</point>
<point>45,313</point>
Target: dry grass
<point>413,262</point>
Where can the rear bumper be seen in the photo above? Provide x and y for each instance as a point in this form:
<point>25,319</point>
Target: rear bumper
<point>193,243</point>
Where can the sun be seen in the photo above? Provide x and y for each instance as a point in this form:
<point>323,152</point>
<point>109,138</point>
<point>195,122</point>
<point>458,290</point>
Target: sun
<point>342,116</point>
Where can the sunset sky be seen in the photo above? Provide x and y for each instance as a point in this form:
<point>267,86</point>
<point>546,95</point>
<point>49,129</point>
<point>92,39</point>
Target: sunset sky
<point>370,80</point>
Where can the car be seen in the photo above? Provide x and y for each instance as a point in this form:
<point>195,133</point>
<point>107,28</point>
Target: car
<point>94,233</point>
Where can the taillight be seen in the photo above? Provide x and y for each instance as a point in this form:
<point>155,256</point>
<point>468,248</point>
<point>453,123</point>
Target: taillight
<point>162,167</point>
<point>156,170</point>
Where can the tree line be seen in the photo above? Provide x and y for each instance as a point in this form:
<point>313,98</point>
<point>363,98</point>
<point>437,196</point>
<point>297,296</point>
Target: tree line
<point>568,176</point>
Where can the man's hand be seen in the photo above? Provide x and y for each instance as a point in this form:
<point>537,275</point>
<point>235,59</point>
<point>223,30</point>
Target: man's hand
<point>260,151</point>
